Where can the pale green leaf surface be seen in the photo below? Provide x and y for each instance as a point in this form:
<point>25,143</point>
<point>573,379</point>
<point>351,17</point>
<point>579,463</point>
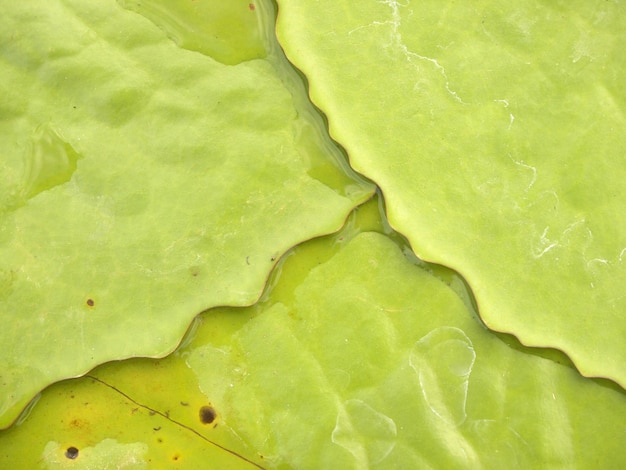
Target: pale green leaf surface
<point>142,182</point>
<point>358,358</point>
<point>496,131</point>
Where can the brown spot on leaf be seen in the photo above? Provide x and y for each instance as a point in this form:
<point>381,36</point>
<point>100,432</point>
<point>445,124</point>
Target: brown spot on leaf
<point>71,453</point>
<point>90,302</point>
<point>81,424</point>
<point>207,414</point>
<point>251,6</point>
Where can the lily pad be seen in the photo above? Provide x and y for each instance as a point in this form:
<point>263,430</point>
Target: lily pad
<point>496,131</point>
<point>355,358</point>
<point>142,183</point>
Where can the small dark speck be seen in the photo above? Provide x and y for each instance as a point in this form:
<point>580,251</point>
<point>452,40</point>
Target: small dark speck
<point>247,260</point>
<point>90,302</point>
<point>207,414</point>
<point>157,428</point>
<point>184,403</point>
<point>71,453</point>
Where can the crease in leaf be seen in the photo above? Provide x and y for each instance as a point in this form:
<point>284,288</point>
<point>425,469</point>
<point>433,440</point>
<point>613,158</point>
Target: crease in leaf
<point>50,162</point>
<point>367,434</point>
<point>444,386</point>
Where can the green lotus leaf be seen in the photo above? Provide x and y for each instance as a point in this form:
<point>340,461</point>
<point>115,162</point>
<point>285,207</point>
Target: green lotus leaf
<point>354,358</point>
<point>143,182</point>
<point>496,131</point>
